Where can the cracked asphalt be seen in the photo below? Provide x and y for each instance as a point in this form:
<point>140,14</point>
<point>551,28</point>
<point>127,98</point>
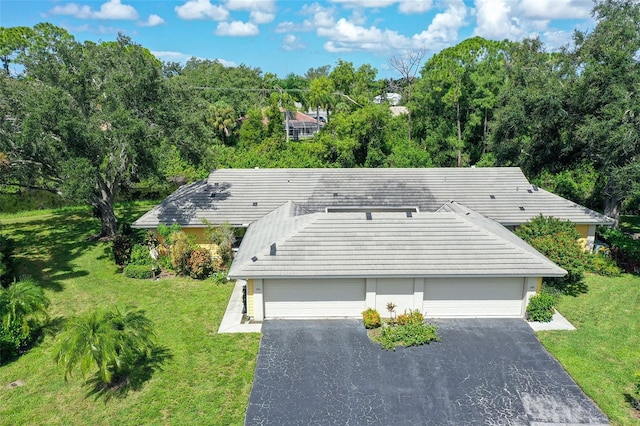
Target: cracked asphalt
<point>483,371</point>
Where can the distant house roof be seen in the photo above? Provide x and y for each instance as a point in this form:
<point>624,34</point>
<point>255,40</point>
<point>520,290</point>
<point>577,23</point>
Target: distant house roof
<point>242,196</point>
<point>289,243</point>
<point>392,98</point>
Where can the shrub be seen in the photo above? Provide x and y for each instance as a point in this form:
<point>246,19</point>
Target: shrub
<point>200,264</point>
<point>140,256</point>
<point>411,317</point>
<point>224,237</point>
<point>603,265</point>
<point>13,339</point>
<point>540,307</point>
<point>6,260</point>
<point>121,247</point>
<point>558,241</point>
<point>23,310</point>
<point>371,318</point>
<point>180,251</point>
<point>624,249</point>
<point>140,272</point>
<point>408,335</point>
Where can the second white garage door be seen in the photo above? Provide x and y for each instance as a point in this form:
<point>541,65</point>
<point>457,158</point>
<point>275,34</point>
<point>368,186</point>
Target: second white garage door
<point>314,298</point>
<point>477,297</point>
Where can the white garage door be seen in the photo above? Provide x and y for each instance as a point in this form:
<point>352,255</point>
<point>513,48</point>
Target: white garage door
<point>477,297</point>
<point>314,298</point>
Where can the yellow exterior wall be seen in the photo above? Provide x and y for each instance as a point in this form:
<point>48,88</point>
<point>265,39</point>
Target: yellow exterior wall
<point>250,298</point>
<point>539,285</point>
<point>583,230</point>
<point>198,234</point>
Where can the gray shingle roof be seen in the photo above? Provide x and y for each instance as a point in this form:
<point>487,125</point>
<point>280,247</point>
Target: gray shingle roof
<point>390,244</point>
<point>241,196</point>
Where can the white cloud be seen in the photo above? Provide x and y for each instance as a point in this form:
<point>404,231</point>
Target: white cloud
<point>347,37</point>
<point>237,29</point>
<point>404,6</point>
<point>260,11</point>
<point>201,9</point>
<point>73,9</point>
<point>444,28</point>
<point>414,6</point>
<point>320,17</point>
<point>112,9</point>
<point>554,39</point>
<point>495,20</point>
<point>152,21</point>
<point>556,9</point>
<point>258,17</point>
<point>291,42</point>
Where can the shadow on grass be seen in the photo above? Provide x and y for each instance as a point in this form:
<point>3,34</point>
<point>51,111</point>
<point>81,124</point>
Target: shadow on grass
<point>46,247</point>
<point>132,379</point>
<point>634,402</point>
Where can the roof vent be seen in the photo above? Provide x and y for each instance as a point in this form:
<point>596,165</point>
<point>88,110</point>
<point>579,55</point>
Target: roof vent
<point>253,259</point>
<point>212,195</point>
<point>467,213</point>
<point>409,214</point>
<point>368,215</point>
<point>216,184</point>
<point>535,188</point>
<point>335,194</point>
<point>529,191</point>
<point>255,203</point>
<point>521,208</point>
<point>493,197</point>
<point>272,250</point>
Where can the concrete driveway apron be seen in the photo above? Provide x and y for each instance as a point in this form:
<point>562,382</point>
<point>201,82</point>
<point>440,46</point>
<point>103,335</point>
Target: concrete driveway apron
<point>483,371</point>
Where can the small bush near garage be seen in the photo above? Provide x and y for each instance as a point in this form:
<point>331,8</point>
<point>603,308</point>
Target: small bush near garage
<point>371,319</point>
<point>411,334</point>
<point>411,317</point>
<point>541,307</point>
<point>140,272</point>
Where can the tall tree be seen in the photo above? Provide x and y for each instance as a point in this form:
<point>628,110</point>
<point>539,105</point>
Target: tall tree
<point>607,98</point>
<point>407,66</point>
<point>83,123</point>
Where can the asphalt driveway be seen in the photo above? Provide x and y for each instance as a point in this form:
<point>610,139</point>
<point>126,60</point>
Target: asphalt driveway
<point>481,372</point>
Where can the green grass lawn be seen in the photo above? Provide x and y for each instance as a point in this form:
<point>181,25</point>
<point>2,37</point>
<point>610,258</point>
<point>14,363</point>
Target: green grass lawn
<point>209,377</point>
<point>604,352</point>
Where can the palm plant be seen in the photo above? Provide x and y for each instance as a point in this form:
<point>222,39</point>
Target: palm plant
<point>22,302</point>
<point>110,341</point>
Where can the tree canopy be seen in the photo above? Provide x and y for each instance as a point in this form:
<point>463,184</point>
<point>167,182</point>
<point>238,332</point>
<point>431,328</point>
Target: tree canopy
<point>94,122</point>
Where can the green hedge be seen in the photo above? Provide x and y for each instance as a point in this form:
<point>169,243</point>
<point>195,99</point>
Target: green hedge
<point>140,272</point>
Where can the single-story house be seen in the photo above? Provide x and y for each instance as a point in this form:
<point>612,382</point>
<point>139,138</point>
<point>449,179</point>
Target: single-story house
<point>454,263</point>
<point>332,242</point>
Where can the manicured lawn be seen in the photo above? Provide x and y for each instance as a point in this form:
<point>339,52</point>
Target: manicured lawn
<point>209,377</point>
<point>604,352</point>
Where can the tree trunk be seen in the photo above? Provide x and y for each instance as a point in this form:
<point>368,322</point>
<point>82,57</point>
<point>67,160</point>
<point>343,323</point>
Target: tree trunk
<point>459,134</point>
<point>107,219</point>
<point>484,133</point>
<point>104,205</point>
<point>611,207</point>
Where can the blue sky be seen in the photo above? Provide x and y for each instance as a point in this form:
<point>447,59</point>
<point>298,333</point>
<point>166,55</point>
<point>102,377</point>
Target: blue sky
<point>293,35</point>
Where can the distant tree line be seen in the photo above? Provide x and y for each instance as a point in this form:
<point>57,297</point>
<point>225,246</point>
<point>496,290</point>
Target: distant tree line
<point>100,122</point>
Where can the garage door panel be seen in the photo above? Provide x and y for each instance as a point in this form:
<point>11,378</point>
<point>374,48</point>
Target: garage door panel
<point>314,298</point>
<point>486,297</point>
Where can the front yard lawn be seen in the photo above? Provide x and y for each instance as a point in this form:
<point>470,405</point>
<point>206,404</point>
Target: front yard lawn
<point>603,354</point>
<point>209,377</point>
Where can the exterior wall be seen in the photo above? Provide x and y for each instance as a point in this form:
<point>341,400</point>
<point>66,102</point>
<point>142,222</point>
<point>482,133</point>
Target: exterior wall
<point>587,236</point>
<point>399,291</point>
<point>250,311</point>
<point>472,297</point>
